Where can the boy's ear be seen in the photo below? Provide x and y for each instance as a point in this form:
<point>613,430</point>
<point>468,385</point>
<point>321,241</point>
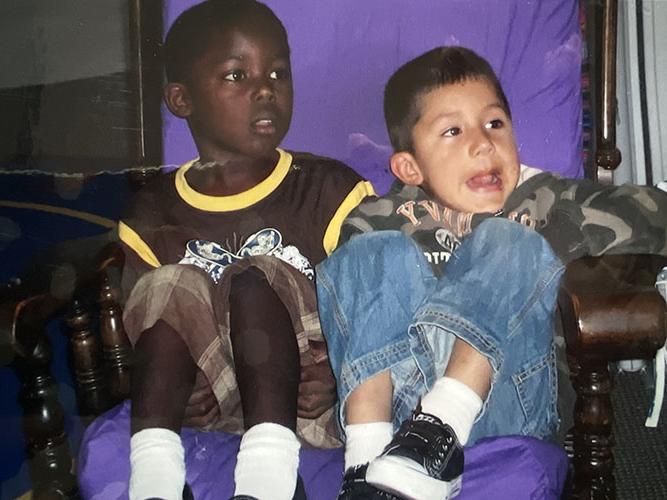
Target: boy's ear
<point>177,99</point>
<point>404,166</point>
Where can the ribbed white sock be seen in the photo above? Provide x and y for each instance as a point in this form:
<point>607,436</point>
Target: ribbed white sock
<point>157,464</point>
<point>267,462</point>
<point>455,404</point>
<point>364,442</point>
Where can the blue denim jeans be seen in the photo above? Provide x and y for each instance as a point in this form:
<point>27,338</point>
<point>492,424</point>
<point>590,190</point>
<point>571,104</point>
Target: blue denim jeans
<point>382,308</point>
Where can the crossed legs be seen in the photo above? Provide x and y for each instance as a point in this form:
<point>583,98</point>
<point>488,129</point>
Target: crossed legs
<point>402,339</point>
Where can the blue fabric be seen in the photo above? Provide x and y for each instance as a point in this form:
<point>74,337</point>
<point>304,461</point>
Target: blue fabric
<point>507,468</point>
<point>381,307</point>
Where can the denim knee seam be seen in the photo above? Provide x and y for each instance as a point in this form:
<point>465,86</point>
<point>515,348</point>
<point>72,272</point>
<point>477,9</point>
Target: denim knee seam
<point>324,282</point>
<point>548,363</point>
<point>551,277</point>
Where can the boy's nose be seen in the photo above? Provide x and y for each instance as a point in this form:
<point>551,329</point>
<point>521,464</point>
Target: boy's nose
<point>482,143</point>
<point>265,91</point>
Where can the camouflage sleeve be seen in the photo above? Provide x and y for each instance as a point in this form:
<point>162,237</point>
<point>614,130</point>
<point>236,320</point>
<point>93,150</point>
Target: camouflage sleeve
<point>585,218</point>
<point>355,223</point>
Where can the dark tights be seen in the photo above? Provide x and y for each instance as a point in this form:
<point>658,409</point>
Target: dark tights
<point>266,358</point>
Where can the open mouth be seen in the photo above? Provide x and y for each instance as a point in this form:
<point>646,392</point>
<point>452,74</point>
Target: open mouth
<point>488,181</point>
<point>264,126</point>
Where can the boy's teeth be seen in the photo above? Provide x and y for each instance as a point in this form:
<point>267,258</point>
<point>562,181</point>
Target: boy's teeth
<point>485,180</point>
<point>264,122</point>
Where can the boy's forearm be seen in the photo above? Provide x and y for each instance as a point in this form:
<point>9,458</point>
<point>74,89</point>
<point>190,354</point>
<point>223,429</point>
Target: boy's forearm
<point>133,269</point>
<point>586,218</point>
<point>625,219</point>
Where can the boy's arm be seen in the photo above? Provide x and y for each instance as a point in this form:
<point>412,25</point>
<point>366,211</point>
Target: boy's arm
<point>139,230</point>
<point>139,258</point>
<point>352,226</point>
<point>337,231</point>
<point>585,218</point>
<point>372,214</point>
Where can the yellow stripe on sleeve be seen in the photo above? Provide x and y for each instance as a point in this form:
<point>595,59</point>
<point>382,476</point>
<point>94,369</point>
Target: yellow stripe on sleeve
<point>128,236</point>
<point>332,234</point>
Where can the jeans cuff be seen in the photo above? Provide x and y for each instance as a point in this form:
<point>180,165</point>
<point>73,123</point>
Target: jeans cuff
<point>356,371</point>
<point>466,331</point>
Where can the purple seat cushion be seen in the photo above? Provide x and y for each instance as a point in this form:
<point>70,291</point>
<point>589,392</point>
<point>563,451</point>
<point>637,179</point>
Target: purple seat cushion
<point>344,51</point>
<point>501,468</point>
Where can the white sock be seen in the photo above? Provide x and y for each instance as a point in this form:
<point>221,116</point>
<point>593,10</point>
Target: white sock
<point>455,404</point>
<point>158,465</point>
<point>267,462</point>
<point>364,442</point>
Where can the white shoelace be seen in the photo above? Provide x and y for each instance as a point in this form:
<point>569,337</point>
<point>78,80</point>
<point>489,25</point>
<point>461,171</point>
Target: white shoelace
<point>660,360</point>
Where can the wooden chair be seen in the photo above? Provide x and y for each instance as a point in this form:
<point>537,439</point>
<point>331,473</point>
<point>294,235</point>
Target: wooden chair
<point>609,308</point>
<point>609,305</point>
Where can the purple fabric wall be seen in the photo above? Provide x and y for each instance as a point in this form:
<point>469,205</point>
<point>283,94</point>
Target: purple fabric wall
<point>343,52</point>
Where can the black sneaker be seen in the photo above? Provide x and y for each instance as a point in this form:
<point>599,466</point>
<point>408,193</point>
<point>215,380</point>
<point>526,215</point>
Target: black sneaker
<point>423,460</point>
<point>299,492</point>
<point>355,487</point>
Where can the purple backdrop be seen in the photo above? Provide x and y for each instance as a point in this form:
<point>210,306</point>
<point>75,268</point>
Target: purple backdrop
<point>343,52</point>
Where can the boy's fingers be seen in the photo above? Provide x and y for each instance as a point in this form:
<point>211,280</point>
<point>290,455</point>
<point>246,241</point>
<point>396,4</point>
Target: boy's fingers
<point>311,414</point>
<point>318,371</point>
<point>314,387</point>
<point>314,398</point>
<point>311,407</point>
<point>318,349</point>
<point>201,394</point>
<point>202,420</point>
<point>201,408</point>
<point>317,389</point>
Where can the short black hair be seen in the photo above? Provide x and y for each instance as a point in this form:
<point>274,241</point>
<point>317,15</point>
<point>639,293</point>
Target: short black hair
<point>435,68</point>
<point>189,36</point>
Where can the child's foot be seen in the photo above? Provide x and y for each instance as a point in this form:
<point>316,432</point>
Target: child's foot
<point>424,460</point>
<point>355,487</point>
<point>267,462</point>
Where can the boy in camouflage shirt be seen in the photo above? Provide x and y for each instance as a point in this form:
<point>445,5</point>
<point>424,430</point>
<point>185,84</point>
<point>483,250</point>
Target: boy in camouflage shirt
<point>438,313</point>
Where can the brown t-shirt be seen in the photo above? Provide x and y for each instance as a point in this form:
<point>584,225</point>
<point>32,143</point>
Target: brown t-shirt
<point>302,204</point>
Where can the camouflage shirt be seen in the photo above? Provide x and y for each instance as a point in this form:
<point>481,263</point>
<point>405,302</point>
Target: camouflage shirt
<point>577,217</point>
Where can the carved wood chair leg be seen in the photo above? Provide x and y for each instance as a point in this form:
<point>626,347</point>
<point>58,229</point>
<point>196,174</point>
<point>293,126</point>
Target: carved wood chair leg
<point>115,344</point>
<point>593,438</point>
<point>92,392</point>
<point>50,459</point>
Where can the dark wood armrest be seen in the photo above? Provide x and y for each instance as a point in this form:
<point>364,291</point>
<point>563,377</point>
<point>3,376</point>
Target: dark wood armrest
<point>610,311</point>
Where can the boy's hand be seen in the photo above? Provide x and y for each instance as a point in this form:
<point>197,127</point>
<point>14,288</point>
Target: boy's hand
<point>317,388</point>
<point>202,408</point>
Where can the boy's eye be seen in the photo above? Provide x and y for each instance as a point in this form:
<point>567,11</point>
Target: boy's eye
<point>279,74</point>
<point>235,76</point>
<point>451,132</point>
<point>497,123</point>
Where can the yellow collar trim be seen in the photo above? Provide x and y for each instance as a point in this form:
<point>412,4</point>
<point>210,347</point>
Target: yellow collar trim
<point>236,201</point>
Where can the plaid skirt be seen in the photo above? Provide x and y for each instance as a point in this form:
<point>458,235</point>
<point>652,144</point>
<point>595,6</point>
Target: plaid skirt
<point>187,299</point>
